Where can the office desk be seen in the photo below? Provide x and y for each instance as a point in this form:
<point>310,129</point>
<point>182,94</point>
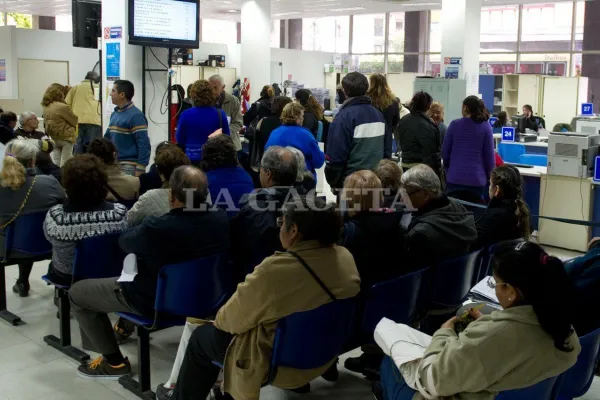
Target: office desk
<point>530,147</point>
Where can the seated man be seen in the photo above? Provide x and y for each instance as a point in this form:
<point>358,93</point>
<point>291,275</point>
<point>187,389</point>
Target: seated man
<point>187,232</point>
<point>254,230</point>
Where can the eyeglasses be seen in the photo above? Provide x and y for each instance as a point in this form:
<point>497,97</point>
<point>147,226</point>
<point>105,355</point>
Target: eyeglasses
<point>492,283</point>
<point>279,222</point>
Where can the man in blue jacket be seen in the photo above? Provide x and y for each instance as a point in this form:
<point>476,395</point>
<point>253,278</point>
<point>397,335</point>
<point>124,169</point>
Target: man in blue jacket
<point>357,135</point>
<point>128,130</point>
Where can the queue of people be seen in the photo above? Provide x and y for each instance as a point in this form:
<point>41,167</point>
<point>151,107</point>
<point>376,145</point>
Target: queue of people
<point>290,251</point>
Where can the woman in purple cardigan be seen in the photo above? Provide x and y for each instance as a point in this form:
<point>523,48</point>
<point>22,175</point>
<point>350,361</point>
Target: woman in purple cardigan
<point>468,152</point>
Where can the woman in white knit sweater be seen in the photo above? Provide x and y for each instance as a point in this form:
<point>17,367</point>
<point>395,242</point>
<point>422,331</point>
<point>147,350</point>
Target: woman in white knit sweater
<point>155,203</point>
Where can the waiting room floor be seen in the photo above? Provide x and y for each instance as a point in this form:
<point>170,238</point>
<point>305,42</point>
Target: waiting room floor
<point>30,369</point>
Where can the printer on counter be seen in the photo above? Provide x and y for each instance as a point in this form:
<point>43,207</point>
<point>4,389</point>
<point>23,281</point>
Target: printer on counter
<point>572,153</point>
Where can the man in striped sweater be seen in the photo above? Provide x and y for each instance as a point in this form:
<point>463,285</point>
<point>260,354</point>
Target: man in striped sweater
<point>128,130</point>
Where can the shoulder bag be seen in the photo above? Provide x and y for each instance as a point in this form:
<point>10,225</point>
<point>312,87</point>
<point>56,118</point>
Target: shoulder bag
<point>14,217</point>
<point>314,275</point>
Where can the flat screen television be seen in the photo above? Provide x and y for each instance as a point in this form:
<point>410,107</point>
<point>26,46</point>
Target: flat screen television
<point>164,23</point>
<point>87,23</point>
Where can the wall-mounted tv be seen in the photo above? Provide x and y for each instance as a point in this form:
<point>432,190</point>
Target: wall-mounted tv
<point>87,23</point>
<point>164,23</point>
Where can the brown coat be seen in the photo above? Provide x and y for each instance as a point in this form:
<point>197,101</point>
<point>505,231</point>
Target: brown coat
<point>278,287</point>
<point>126,186</point>
<point>60,122</point>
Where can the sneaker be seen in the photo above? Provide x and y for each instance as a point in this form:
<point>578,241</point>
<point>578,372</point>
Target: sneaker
<point>21,289</point>
<point>122,331</point>
<point>164,393</point>
<point>101,369</point>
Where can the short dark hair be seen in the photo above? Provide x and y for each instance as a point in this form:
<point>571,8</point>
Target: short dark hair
<point>279,104</point>
<point>219,152</point>
<point>85,181</point>
<point>421,102</point>
<point>315,219</point>
<point>8,116</point>
<point>355,84</point>
<point>104,149</point>
<point>189,178</point>
<point>168,159</point>
<point>125,87</point>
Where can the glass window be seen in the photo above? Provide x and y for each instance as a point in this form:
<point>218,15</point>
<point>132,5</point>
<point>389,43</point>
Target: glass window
<point>365,38</point>
<point>547,26</point>
<point>498,64</point>
<point>579,23</point>
<point>219,31</point>
<point>576,65</point>
<point>329,34</point>
<point>19,20</point>
<point>396,63</point>
<point>369,64</point>
<point>435,31</point>
<point>546,64</point>
<point>396,41</point>
<point>276,33</point>
<point>64,23</point>
<point>499,28</point>
<point>378,31</point>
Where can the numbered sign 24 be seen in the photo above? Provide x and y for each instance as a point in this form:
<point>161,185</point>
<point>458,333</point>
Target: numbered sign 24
<point>508,134</point>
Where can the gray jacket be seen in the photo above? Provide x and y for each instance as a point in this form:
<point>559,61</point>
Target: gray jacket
<point>153,203</point>
<point>232,107</point>
<point>46,192</point>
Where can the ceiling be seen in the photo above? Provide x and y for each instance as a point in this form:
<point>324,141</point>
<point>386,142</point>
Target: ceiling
<point>281,9</point>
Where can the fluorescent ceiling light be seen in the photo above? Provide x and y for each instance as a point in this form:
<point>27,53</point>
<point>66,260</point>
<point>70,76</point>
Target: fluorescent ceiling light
<point>285,13</point>
<point>347,9</point>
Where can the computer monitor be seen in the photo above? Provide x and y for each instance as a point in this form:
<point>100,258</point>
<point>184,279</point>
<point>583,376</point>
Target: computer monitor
<point>521,125</point>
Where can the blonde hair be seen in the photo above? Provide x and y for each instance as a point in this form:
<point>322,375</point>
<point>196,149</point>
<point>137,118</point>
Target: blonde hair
<point>380,93</point>
<point>17,157</point>
<point>292,113</point>
<point>360,191</point>
<point>54,93</point>
<point>436,105</point>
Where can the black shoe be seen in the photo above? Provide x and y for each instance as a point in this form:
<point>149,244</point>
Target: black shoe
<point>102,370</point>
<point>332,374</point>
<point>366,364</point>
<point>123,330</point>
<point>21,289</point>
<point>302,389</point>
<point>356,364</point>
<point>163,393</point>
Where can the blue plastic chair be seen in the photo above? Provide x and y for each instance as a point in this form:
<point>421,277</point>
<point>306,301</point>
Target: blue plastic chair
<point>544,390</point>
<point>485,268</point>
<point>25,235</point>
<point>320,132</point>
<point>398,299</point>
<point>578,379</point>
<point>511,152</point>
<point>451,280</point>
<point>95,258</point>
<point>540,160</point>
<point>196,288</point>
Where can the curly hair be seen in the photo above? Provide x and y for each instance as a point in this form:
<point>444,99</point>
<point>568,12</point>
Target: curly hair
<point>202,93</point>
<point>103,149</point>
<point>218,152</point>
<point>310,104</point>
<point>380,93</point>
<point>279,103</point>
<point>292,113</point>
<point>168,159</point>
<point>85,181</point>
<point>54,93</point>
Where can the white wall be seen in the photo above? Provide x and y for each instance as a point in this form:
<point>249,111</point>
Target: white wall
<point>8,88</point>
<point>306,67</point>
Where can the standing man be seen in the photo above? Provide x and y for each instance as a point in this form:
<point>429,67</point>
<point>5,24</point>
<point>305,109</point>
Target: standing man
<point>83,100</point>
<point>357,134</point>
<point>128,130</point>
<point>232,109</point>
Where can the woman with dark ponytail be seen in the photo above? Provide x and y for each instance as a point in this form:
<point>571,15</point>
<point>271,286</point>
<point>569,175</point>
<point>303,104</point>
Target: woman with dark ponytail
<point>507,216</point>
<point>530,340</point>
<point>468,151</point>
<point>313,110</point>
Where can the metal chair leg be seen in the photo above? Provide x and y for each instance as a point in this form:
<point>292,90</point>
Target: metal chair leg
<point>141,389</point>
<point>4,313</point>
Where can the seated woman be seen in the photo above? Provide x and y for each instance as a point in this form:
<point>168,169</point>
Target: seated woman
<point>22,192</point>
<point>530,340</point>
<point>43,161</point>
<point>85,214</point>
<point>507,215</point>
<point>121,187</point>
<point>390,175</point>
<point>151,179</point>
<point>293,134</point>
<point>227,180</point>
<point>242,335</point>
<point>155,202</point>
<point>502,121</point>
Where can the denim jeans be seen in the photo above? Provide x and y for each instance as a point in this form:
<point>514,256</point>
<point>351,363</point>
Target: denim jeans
<point>87,134</point>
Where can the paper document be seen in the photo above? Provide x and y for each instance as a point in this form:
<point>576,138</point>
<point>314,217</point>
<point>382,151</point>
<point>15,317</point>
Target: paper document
<point>130,269</point>
<point>482,289</point>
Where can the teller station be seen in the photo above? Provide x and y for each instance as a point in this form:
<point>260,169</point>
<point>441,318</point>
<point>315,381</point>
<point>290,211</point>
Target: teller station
<point>558,170</point>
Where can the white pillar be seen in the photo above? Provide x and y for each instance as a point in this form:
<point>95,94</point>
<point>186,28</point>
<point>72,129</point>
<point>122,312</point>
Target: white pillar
<point>129,67</point>
<point>461,28</point>
<point>256,44</point>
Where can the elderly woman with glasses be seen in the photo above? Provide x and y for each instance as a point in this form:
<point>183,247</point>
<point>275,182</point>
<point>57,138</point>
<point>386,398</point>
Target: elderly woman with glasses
<point>530,340</point>
<point>29,124</point>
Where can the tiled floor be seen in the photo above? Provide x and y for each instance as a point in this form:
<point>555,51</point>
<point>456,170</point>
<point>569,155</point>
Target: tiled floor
<point>30,369</point>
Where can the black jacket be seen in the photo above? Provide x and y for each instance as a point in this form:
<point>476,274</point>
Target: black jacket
<point>311,123</point>
<point>498,223</point>
<point>50,169</point>
<point>6,134</point>
<point>420,141</point>
<point>150,180</point>
<point>531,123</point>
<point>260,109</point>
<point>441,230</point>
<point>172,238</point>
<point>254,230</point>
<point>392,119</point>
<point>371,238</point>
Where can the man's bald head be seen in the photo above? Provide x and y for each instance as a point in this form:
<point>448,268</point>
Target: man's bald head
<point>186,179</point>
<point>280,165</point>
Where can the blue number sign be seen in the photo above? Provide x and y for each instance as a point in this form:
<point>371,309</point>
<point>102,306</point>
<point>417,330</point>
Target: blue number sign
<point>587,109</point>
<point>508,134</point>
<point>597,169</point>
<point>492,121</point>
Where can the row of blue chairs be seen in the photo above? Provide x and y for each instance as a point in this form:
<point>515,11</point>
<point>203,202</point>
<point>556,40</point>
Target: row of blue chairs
<point>517,154</point>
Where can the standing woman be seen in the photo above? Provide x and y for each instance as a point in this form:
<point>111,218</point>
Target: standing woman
<point>469,151</point>
<point>313,111</point>
<point>197,124</point>
<point>419,136</point>
<point>385,101</point>
<point>262,107</point>
<point>61,123</point>
<point>436,113</point>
